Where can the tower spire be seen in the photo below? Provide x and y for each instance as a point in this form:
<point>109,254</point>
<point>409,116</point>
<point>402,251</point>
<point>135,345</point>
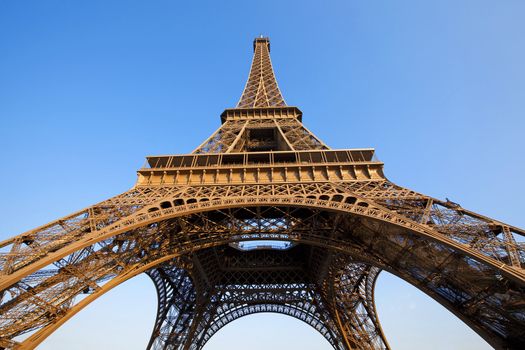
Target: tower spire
<point>261,89</point>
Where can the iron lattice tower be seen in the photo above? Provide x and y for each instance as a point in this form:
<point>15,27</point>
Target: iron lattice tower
<point>265,217</point>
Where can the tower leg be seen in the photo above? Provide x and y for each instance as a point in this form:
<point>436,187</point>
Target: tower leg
<point>176,296</point>
<point>352,304</point>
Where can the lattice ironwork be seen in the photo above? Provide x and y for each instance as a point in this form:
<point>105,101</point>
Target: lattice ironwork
<point>261,89</point>
<point>264,217</point>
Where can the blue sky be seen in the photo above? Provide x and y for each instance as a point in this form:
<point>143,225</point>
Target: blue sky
<point>88,89</point>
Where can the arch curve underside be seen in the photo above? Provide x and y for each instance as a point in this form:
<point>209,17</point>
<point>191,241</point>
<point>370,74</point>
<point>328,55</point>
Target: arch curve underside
<point>337,239</point>
<point>186,322</point>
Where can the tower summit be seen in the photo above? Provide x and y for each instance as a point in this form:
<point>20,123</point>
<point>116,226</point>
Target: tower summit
<point>262,121</point>
<point>261,89</point>
<point>265,217</point>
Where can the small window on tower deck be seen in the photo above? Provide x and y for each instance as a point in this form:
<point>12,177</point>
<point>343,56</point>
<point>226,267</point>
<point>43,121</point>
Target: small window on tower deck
<point>264,139</point>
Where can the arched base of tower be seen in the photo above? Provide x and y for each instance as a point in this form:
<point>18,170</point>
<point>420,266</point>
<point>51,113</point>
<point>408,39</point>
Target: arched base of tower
<point>326,290</point>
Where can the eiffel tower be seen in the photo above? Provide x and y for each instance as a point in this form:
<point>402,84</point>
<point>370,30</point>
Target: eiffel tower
<point>265,217</point>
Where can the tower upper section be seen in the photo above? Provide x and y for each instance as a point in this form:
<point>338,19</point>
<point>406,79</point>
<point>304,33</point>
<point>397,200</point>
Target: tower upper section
<point>261,89</point>
<point>260,141</point>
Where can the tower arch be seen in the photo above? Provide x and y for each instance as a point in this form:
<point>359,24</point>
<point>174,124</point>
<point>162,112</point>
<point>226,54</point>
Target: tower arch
<point>363,238</point>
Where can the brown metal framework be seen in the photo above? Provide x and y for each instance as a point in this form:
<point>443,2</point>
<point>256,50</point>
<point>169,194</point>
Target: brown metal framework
<point>264,217</point>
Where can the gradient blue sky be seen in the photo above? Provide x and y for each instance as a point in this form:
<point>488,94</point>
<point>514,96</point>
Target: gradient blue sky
<point>88,88</point>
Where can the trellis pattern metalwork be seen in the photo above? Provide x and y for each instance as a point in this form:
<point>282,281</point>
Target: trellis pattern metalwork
<point>264,217</point>
<point>261,88</point>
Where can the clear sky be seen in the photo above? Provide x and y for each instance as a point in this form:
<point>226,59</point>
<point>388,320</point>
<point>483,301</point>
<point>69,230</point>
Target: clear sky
<point>88,88</point>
